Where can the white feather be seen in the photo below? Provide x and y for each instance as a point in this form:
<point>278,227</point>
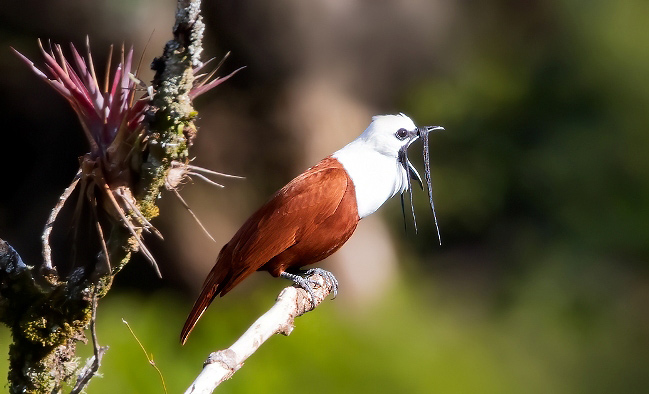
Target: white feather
<point>371,161</point>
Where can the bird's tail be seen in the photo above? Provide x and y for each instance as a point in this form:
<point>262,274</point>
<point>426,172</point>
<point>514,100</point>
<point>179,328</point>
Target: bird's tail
<point>213,285</point>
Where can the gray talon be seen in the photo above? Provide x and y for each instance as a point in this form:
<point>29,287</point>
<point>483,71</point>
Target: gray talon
<point>328,276</point>
<point>300,278</point>
<point>302,282</point>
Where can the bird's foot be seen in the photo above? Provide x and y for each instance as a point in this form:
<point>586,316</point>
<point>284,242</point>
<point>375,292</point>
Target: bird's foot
<point>301,278</point>
<point>328,276</point>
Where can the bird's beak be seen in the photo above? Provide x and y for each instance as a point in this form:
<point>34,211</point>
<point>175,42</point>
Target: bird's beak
<point>403,152</point>
<point>428,129</point>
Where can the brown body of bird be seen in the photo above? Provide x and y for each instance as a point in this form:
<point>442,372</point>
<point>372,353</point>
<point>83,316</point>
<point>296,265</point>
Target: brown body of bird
<point>315,214</point>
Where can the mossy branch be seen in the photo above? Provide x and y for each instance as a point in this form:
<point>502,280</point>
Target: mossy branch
<point>171,114</point>
<point>48,314</point>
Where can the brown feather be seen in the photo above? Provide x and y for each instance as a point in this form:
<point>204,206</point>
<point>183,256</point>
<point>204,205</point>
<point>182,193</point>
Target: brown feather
<point>304,222</point>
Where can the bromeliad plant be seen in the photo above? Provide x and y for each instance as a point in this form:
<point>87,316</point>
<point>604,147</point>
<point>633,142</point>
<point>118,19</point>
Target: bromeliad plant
<point>113,121</point>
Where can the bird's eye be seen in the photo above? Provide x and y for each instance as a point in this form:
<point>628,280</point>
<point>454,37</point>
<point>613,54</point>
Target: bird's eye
<point>401,133</point>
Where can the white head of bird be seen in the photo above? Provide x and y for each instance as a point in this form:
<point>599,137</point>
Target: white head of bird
<point>376,161</point>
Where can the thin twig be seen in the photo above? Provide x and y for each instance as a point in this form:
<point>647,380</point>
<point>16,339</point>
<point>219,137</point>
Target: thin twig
<point>211,172</point>
<point>409,178</point>
<point>424,137</point>
<point>45,238</point>
<point>149,358</point>
<point>102,240</point>
<point>206,179</point>
<point>292,302</point>
<point>182,200</point>
<point>94,362</point>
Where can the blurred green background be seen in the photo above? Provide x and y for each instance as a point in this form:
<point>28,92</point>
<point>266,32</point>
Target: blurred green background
<point>541,182</point>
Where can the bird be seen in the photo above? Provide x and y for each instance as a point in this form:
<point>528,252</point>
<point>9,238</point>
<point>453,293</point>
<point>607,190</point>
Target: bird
<point>317,212</point>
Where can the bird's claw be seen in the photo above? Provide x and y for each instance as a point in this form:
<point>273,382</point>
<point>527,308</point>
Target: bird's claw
<point>303,280</point>
<point>327,276</point>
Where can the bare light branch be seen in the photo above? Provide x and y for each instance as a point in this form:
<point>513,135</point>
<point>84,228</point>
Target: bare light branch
<point>292,302</point>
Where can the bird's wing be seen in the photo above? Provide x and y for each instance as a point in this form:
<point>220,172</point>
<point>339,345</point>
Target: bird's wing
<point>281,222</point>
<point>293,212</point>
